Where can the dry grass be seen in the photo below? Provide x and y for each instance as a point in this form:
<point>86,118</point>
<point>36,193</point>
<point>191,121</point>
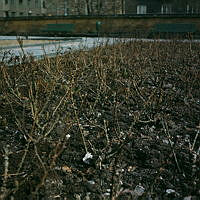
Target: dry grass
<point>119,103</point>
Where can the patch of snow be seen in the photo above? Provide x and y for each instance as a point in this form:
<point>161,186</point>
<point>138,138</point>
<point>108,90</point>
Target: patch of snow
<point>87,158</point>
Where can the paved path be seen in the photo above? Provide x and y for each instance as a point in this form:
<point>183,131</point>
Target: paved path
<point>50,49</point>
<point>58,46</point>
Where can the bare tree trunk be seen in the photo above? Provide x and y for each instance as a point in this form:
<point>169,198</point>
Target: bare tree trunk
<point>78,7</point>
<point>114,7</point>
<point>123,6</point>
<point>99,6</point>
<point>88,6</point>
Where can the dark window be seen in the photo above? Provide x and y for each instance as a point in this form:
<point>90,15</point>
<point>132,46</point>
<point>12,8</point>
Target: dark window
<point>44,4</point>
<point>20,1</point>
<point>12,14</point>
<point>6,1</point>
<point>191,9</point>
<point>6,14</point>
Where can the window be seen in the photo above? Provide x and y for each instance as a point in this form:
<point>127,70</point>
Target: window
<point>166,9</point>
<point>20,1</point>
<point>36,4</point>
<point>6,1</point>
<point>12,14</point>
<point>141,9</point>
<point>21,13</point>
<point>44,4</point>
<point>6,14</point>
<point>191,9</point>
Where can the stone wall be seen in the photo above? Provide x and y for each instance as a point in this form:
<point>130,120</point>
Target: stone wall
<point>137,26</point>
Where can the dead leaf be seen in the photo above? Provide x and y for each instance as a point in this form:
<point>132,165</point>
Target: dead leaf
<point>66,169</point>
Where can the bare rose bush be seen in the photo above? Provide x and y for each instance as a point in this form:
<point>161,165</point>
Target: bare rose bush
<point>119,121</point>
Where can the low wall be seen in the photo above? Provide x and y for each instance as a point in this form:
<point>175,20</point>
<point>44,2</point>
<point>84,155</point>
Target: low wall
<point>87,24</point>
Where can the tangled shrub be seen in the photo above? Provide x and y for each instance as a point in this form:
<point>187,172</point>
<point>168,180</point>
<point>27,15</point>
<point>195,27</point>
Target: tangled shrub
<point>102,123</point>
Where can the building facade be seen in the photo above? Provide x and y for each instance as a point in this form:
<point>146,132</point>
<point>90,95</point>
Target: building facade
<point>15,8</point>
<point>162,7</point>
<point>116,7</point>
